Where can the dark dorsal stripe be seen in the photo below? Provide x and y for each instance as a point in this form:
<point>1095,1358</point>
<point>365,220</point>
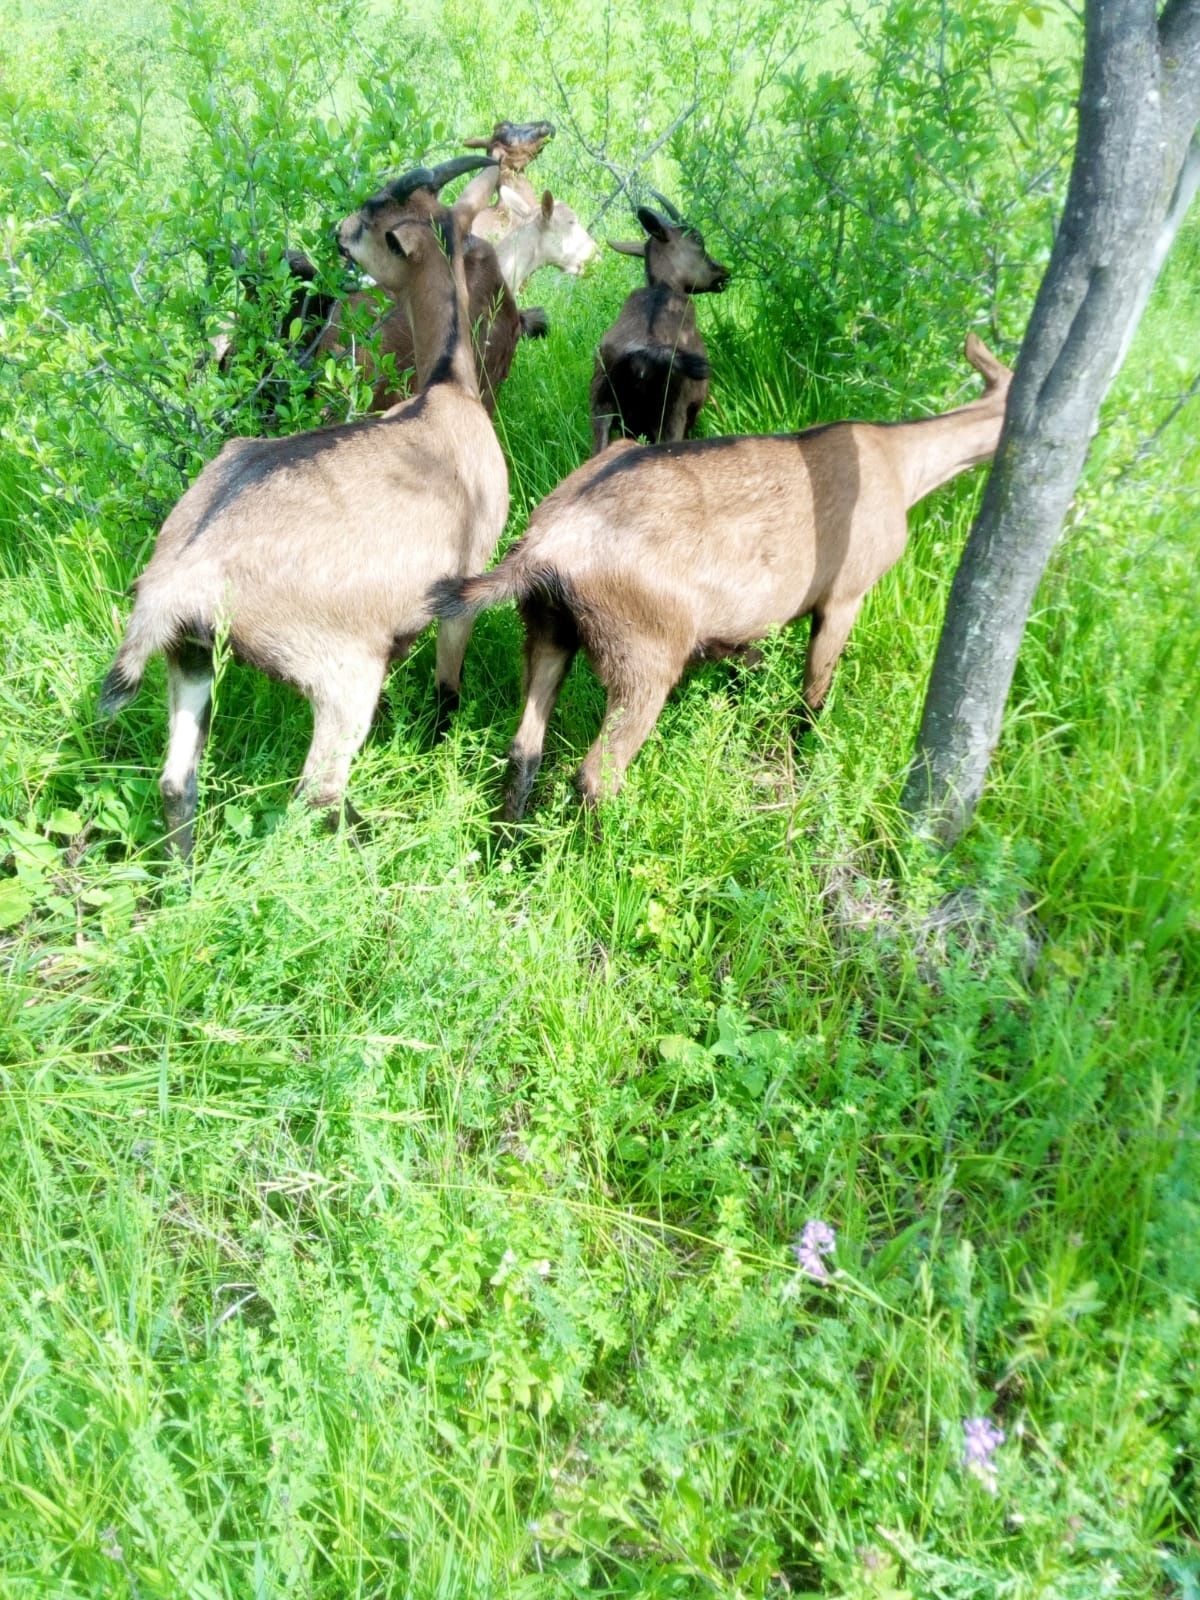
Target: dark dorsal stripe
<point>443,368</point>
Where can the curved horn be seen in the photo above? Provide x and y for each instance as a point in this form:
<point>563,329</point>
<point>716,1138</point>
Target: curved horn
<point>667,206</point>
<point>455,168</point>
<point>434,178</point>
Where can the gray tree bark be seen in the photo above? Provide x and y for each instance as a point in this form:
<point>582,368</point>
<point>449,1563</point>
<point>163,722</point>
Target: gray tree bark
<point>1137,160</point>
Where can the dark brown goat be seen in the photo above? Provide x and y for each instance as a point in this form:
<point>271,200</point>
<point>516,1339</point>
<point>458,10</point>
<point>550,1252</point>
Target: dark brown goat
<point>651,557</point>
<point>651,375</point>
<point>312,307</point>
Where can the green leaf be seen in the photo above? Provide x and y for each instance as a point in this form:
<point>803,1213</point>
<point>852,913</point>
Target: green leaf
<point>64,822</point>
<point>15,902</point>
<point>240,820</point>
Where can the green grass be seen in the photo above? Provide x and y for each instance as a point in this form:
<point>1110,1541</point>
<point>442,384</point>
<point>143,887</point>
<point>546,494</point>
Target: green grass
<point>394,1218</point>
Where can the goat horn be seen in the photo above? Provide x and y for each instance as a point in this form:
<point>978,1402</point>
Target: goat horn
<point>434,178</point>
<point>455,168</point>
<point>667,206</point>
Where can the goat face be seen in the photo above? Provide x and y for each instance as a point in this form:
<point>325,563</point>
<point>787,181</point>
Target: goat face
<point>364,236</point>
<point>563,241</point>
<point>566,241</point>
<point>386,240</point>
<point>675,256</point>
<point>514,144</point>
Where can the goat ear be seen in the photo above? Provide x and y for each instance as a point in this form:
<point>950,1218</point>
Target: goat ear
<point>628,247</point>
<point>547,205</point>
<point>657,227</point>
<point>516,203</point>
<point>394,245</point>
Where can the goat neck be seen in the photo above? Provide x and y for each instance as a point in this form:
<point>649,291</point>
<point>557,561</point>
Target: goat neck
<point>436,302</point>
<point>936,449</point>
<point>519,255</point>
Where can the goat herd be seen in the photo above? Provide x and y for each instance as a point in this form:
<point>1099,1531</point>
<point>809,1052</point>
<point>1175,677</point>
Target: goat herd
<point>321,556</point>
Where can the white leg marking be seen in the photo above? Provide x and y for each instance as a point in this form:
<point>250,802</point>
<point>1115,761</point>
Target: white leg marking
<point>189,703</point>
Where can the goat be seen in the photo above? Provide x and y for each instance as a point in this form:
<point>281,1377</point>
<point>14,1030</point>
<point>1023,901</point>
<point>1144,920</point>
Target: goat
<point>316,552</point>
<point>651,374</point>
<point>653,556</point>
<point>552,236</point>
<point>495,321</point>
<point>528,234</point>
<point>526,231</point>
<point>309,305</point>
<point>512,145</point>
<point>548,234</point>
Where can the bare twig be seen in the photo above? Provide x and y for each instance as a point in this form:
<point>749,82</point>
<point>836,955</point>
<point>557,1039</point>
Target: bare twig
<point>625,180</point>
<point>1148,443</point>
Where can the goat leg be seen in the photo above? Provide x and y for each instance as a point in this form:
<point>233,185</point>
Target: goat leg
<point>831,624</point>
<point>633,710</point>
<point>341,721</point>
<point>549,650</point>
<point>189,692</point>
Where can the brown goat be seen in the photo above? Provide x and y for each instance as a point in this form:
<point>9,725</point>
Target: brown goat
<point>651,557</point>
<point>527,233</point>
<point>651,375</point>
<point>513,145</point>
<point>317,552</point>
<point>310,306</point>
<point>373,328</point>
<point>495,321</point>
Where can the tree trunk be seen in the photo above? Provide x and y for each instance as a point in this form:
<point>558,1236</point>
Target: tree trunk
<point>1134,172</point>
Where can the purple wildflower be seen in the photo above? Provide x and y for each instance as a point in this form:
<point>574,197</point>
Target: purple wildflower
<point>981,1437</point>
<point>816,1240</point>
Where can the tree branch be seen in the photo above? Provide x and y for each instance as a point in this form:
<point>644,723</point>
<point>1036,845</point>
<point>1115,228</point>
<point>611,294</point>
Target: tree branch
<point>1179,48</point>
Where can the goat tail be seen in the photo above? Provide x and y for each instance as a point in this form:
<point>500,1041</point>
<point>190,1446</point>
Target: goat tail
<point>121,684</point>
<point>990,368</point>
<point>512,579</point>
<point>535,324</point>
<point>143,638</point>
<point>655,363</point>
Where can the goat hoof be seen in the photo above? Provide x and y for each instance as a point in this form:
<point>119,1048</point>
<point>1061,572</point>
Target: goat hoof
<point>448,702</point>
<point>336,814</point>
<point>589,807</point>
<point>522,773</point>
<point>179,808</point>
<point>180,842</point>
<point>505,835</point>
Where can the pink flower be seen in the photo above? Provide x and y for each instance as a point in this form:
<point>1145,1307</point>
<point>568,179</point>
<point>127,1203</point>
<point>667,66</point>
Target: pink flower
<point>816,1240</point>
<point>981,1438</point>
